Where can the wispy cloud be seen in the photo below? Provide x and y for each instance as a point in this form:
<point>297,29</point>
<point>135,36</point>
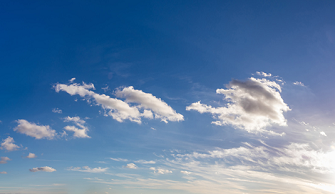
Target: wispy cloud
<point>119,159</point>
<point>88,169</point>
<point>160,170</point>
<point>57,110</point>
<point>43,169</point>
<point>8,144</point>
<point>4,160</point>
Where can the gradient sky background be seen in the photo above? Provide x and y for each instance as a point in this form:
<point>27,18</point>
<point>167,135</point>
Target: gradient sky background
<point>273,133</point>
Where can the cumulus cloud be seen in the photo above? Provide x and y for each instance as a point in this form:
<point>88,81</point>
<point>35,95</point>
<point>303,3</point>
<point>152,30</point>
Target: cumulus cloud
<point>34,130</point>
<point>120,110</point>
<point>148,101</point>
<point>252,105</point>
<point>145,162</point>
<point>160,170</point>
<point>80,132</point>
<point>131,165</point>
<point>3,172</point>
<point>323,133</point>
<point>88,169</point>
<point>119,159</point>
<point>56,110</point>
<point>31,155</point>
<point>263,74</point>
<point>4,160</point>
<point>8,144</point>
<point>298,83</point>
<point>44,169</point>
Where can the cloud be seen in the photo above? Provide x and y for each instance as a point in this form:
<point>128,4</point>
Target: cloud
<point>131,165</point>
<point>4,160</point>
<point>298,83</point>
<point>160,170</point>
<point>8,144</point>
<point>263,74</point>
<point>88,169</point>
<point>323,133</point>
<point>119,159</point>
<point>185,172</point>
<point>57,110</point>
<point>145,162</point>
<point>31,155</point>
<point>120,110</point>
<point>72,79</point>
<point>80,132</point>
<point>44,169</point>
<point>148,101</point>
<point>252,105</point>
<point>3,172</point>
<point>33,130</point>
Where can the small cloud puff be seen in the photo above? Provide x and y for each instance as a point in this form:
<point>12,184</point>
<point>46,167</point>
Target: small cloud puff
<point>323,133</point>
<point>160,170</point>
<point>80,132</point>
<point>185,172</point>
<point>57,110</point>
<point>44,169</point>
<point>298,83</point>
<point>31,155</point>
<point>263,74</point>
<point>131,165</point>
<point>4,160</point>
<point>8,144</point>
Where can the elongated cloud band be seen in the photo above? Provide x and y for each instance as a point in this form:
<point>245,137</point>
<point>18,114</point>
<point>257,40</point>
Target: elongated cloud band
<point>121,110</point>
<point>252,105</point>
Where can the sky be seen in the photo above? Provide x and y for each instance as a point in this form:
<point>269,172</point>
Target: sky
<point>182,97</point>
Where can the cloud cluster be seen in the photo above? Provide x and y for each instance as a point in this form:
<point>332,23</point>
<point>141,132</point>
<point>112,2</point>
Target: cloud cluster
<point>57,110</point>
<point>152,106</point>
<point>88,169</point>
<point>8,144</point>
<point>160,170</point>
<point>80,132</point>
<point>4,160</point>
<point>34,130</point>
<point>252,105</point>
<point>43,169</point>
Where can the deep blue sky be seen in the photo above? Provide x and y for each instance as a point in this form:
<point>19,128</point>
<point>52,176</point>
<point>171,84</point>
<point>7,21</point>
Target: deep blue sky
<point>178,51</point>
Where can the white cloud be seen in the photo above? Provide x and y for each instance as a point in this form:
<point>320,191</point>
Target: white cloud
<point>33,130</point>
<point>72,79</point>
<point>148,101</point>
<point>8,144</point>
<point>145,162</point>
<point>31,155</point>
<point>131,165</point>
<point>153,128</point>
<point>185,172</point>
<point>57,110</point>
<point>4,160</point>
<point>121,110</point>
<point>263,74</point>
<point>3,172</point>
<point>160,170</point>
<point>88,169</point>
<point>119,159</point>
<point>323,133</point>
<point>252,105</point>
<point>80,132</point>
<point>44,169</point>
<point>298,83</point>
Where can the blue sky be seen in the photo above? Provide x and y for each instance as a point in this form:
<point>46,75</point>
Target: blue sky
<point>178,97</point>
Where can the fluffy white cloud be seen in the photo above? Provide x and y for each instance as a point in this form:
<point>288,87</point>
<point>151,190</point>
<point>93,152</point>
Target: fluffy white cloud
<point>4,160</point>
<point>121,110</point>
<point>148,101</point>
<point>8,144</point>
<point>252,105</point>
<point>44,169</point>
<point>145,162</point>
<point>323,133</point>
<point>3,172</point>
<point>80,132</point>
<point>263,74</point>
<point>131,165</point>
<point>160,170</point>
<point>56,110</point>
<point>88,169</point>
<point>119,159</point>
<point>185,172</point>
<point>33,130</point>
<point>31,155</point>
